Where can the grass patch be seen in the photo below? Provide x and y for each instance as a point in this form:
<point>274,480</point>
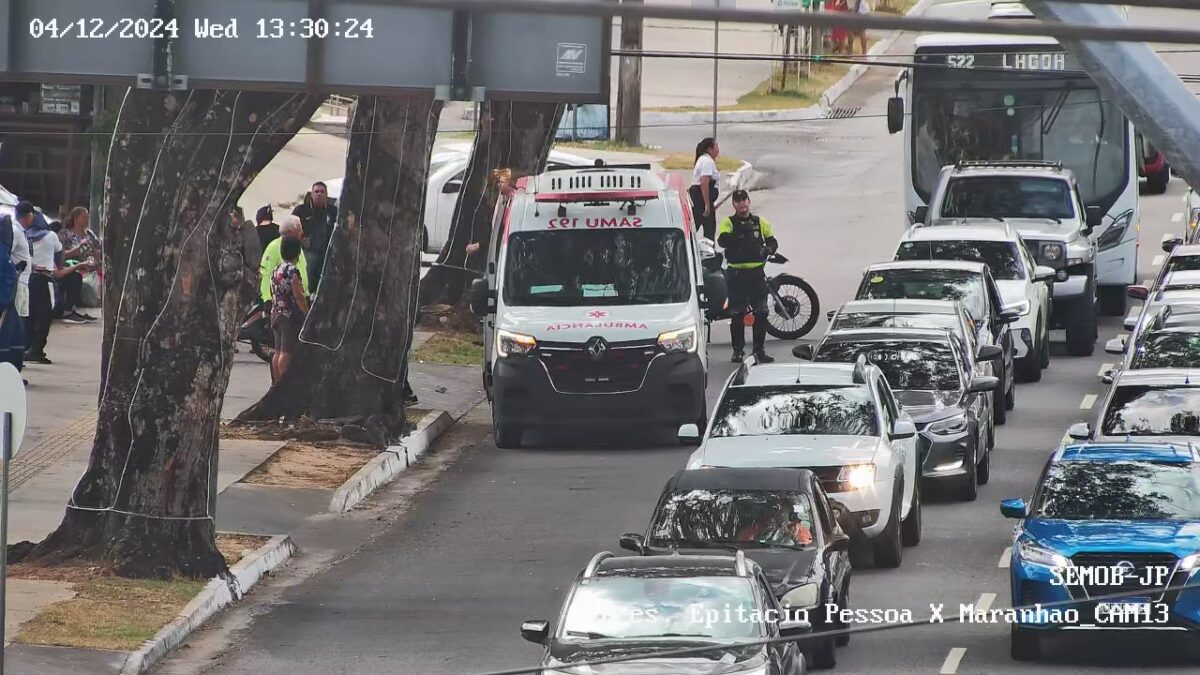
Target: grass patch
<point>894,6</point>
<point>311,465</point>
<point>683,161</point>
<point>110,613</point>
<point>607,146</point>
<point>414,415</point>
<point>456,349</point>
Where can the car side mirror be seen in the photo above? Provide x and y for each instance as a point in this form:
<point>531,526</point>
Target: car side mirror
<point>793,625</point>
<point>829,315</point>
<point>716,292</point>
<point>1080,431</point>
<point>1137,292</point>
<point>1095,217</point>
<point>839,542</point>
<point>981,384</point>
<point>1170,241</point>
<point>478,297</point>
<point>920,214</point>
<point>1130,322</point>
<point>452,187</point>
<point>633,542</point>
<point>989,353</point>
<point>1115,346</point>
<point>1043,273</point>
<point>903,429</point>
<point>1010,316</point>
<point>1108,376</point>
<point>1014,508</point>
<point>803,352</point>
<point>689,434</point>
<point>895,115</point>
<point>536,631</point>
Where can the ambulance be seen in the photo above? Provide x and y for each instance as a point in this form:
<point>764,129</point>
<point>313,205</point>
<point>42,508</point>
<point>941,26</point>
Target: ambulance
<point>593,304</point>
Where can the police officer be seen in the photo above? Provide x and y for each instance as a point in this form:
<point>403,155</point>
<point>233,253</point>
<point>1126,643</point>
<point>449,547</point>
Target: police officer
<point>748,241</point>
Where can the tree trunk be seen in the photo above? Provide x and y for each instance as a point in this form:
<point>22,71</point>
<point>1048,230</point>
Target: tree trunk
<point>509,135</point>
<point>353,356</point>
<point>177,280</point>
<point>629,89</point>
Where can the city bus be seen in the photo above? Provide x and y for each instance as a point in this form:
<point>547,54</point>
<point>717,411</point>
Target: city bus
<point>997,97</point>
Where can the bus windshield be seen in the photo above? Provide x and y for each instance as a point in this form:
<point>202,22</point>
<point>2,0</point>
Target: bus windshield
<point>962,115</point>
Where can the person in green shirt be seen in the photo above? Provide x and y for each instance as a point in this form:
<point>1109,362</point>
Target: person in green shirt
<point>748,240</point>
<point>290,227</point>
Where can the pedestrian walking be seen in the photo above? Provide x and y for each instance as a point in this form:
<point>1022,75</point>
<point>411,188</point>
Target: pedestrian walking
<point>288,308</point>
<point>44,246</point>
<point>858,7</point>
<point>318,214</point>
<point>704,188</point>
<point>12,269</point>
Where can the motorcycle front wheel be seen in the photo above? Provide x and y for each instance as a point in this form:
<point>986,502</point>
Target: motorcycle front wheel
<point>793,306</point>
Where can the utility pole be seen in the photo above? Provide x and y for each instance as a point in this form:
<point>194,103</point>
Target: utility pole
<point>1138,80</point>
<point>629,90</point>
<point>716,70</point>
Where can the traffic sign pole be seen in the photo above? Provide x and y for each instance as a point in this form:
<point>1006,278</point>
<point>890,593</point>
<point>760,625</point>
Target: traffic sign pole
<point>6,453</point>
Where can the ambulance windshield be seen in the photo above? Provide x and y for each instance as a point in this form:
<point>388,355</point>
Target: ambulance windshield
<point>597,267</point>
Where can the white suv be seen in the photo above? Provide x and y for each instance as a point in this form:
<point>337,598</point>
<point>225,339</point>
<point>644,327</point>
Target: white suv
<point>841,422</point>
<point>1024,285</point>
<point>1041,201</point>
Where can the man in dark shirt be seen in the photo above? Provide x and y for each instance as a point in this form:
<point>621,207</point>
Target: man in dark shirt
<point>748,240</point>
<point>318,213</point>
<point>267,229</point>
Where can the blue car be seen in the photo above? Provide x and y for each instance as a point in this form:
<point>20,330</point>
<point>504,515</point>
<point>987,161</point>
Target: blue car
<point>1107,519</point>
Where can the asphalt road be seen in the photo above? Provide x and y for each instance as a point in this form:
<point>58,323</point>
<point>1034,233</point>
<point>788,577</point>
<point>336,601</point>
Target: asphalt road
<point>502,532</point>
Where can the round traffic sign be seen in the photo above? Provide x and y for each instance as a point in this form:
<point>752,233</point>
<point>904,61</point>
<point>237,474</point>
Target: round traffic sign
<point>12,400</point>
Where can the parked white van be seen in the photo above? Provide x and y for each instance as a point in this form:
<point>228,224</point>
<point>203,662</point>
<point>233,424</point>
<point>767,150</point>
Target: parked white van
<point>593,304</point>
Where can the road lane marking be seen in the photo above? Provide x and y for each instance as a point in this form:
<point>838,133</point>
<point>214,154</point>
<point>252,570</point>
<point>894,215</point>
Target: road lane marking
<point>1088,402</point>
<point>950,665</point>
<point>985,602</point>
<point>1006,558</point>
<point>1104,368</point>
<point>1158,261</point>
<point>1177,218</point>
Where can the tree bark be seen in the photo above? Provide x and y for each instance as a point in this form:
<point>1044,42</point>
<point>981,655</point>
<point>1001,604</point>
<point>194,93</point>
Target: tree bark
<point>353,356</point>
<point>509,135</point>
<point>629,88</point>
<point>176,282</point>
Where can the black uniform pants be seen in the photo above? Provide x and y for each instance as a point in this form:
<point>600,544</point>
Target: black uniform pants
<point>705,224</point>
<point>37,324</point>
<point>747,292</point>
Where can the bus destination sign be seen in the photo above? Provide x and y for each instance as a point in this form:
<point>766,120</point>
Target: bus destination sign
<point>1025,61</point>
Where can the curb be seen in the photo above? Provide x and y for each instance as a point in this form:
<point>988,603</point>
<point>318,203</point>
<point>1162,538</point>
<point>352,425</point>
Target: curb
<point>217,595</point>
<point>812,112</point>
<point>835,92</point>
<point>390,463</point>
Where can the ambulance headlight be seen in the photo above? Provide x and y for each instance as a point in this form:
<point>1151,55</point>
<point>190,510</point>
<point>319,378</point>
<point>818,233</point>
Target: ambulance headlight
<point>514,344</point>
<point>682,341</point>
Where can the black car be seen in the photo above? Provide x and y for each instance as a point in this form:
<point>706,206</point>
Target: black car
<point>636,607</point>
<point>780,518</point>
<point>939,386</point>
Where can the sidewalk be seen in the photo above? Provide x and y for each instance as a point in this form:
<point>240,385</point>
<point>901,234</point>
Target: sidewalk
<point>58,443</point>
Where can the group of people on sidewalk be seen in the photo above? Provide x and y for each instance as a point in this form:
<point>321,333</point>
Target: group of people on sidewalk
<point>293,254</point>
<point>42,278</point>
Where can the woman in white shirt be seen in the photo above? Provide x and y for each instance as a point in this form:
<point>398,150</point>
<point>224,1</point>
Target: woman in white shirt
<point>705,179</point>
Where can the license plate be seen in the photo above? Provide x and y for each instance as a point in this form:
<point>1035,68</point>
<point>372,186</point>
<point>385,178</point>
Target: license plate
<point>1125,607</point>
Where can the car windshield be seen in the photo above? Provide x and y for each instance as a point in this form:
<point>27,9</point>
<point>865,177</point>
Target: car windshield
<point>597,267</point>
<point>1008,197</point>
<point>1133,490</point>
<point>795,410</point>
<point>926,284</point>
<point>906,364</point>
<point>1000,256</point>
<point>662,608</point>
<point>1138,410</point>
<point>7,198</point>
<point>1169,348</point>
<point>746,518</point>
<point>865,320</point>
<point>993,114</point>
<point>1183,263</point>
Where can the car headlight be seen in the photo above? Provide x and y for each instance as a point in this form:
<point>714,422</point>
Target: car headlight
<point>1032,553</point>
<point>950,425</point>
<point>1115,232</point>
<point>1052,252</point>
<point>1192,562</point>
<point>1194,220</point>
<point>678,341</point>
<point>857,476</point>
<point>805,596</point>
<point>1023,307</point>
<point>514,344</point>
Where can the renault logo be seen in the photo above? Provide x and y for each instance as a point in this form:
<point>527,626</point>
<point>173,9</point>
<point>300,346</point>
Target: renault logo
<point>1126,566</point>
<point>596,347</point>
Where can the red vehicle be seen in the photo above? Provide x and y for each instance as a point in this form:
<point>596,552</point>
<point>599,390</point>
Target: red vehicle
<point>1154,167</point>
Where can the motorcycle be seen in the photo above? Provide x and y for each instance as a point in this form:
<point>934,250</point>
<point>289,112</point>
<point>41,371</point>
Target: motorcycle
<point>256,331</point>
<point>793,306</point>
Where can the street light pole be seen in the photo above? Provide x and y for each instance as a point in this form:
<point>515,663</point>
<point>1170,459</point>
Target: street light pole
<point>716,70</point>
